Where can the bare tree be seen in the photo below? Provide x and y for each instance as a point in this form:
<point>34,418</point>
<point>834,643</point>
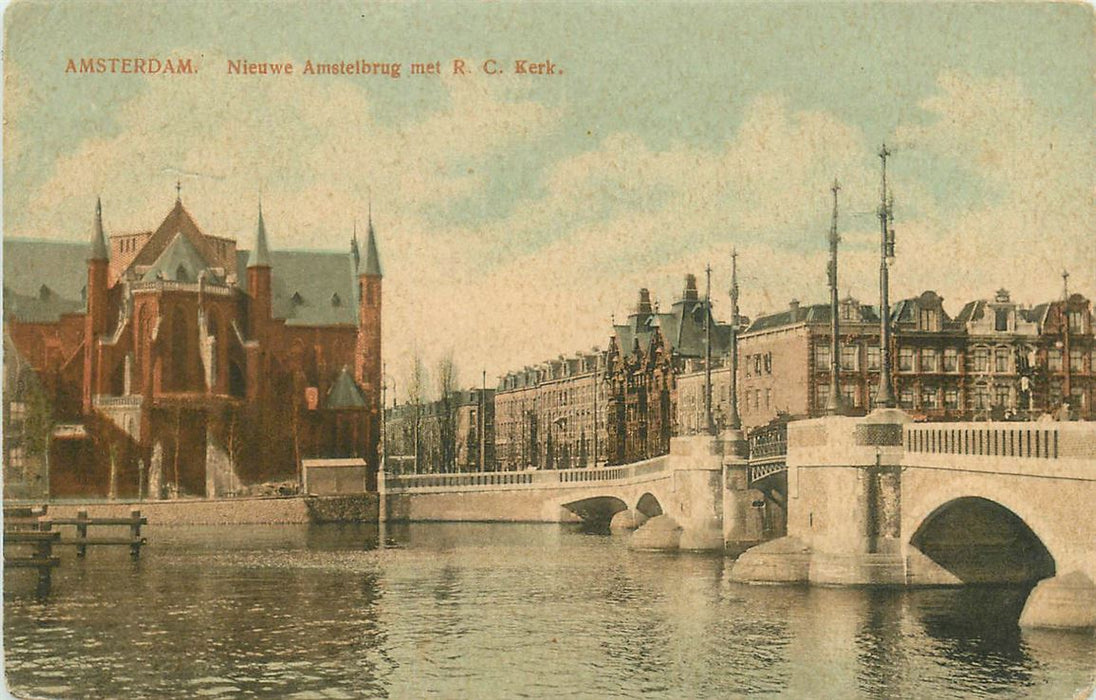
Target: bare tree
<point>447,413</point>
<point>416,390</point>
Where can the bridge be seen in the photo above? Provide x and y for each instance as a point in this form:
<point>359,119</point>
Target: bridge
<point>684,485</point>
<point>877,500</point>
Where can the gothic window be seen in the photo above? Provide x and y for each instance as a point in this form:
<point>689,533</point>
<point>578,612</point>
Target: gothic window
<point>181,275</point>
<point>180,350</point>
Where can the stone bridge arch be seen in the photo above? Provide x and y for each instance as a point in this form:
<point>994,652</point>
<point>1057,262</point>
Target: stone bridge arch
<point>978,540</point>
<point>973,498</point>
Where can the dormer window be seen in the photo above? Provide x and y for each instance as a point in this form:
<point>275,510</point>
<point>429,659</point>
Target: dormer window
<point>297,299</point>
<point>927,320</point>
<point>44,292</point>
<point>1000,320</point>
<point>181,274</point>
<point>336,300</point>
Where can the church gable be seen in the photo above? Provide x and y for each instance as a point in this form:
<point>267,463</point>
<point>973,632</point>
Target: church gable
<point>180,262</point>
<point>179,222</point>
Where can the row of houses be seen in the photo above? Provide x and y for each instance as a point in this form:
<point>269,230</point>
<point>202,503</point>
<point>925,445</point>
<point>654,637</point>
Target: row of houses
<point>996,359</point>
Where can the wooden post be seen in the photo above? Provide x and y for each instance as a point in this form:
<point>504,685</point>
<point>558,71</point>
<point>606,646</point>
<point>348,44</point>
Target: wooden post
<point>135,533</point>
<point>44,554</point>
<point>81,532</point>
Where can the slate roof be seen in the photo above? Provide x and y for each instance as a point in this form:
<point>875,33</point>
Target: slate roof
<point>31,263</point>
<point>318,279</point>
<point>813,314</point>
<point>372,258</point>
<point>682,328</point>
<point>260,254</point>
<point>180,255</point>
<point>344,393</point>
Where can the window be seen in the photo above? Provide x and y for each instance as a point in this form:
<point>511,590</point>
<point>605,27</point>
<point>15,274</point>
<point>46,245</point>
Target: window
<point>951,360</point>
<point>768,363</point>
<point>850,395</point>
<point>981,397</point>
<point>821,394</point>
<point>905,359</point>
<point>821,356</point>
<point>768,398</point>
<point>757,365</point>
<point>905,398</point>
<point>874,359</point>
<point>951,399</point>
<point>1000,320</point>
<point>928,360</point>
<point>850,357</point>
<point>17,411</point>
<point>749,364</point>
<point>873,391</point>
<point>1076,321</point>
<point>1076,360</point>
<point>928,397</point>
<point>1054,360</point>
<point>927,320</point>
<point>1001,395</point>
<point>981,359</point>
<point>1001,360</point>
<point>17,457</point>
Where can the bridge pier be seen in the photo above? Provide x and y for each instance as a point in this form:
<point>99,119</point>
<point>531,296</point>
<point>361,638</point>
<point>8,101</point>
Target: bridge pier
<point>844,506</point>
<point>743,524</point>
<point>693,519</point>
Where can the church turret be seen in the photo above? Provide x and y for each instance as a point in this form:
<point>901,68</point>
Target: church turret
<point>258,280</point>
<point>96,318</point>
<point>367,362</point>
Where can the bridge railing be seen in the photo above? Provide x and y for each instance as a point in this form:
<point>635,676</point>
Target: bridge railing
<point>527,478</point>
<point>1025,440</point>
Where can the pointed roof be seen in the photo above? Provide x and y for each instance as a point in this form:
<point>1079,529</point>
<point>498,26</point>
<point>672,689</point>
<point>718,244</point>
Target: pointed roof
<point>260,252</point>
<point>180,262</point>
<point>178,220</point>
<point>344,393</point>
<point>355,253</point>
<point>98,239</point>
<point>372,258</point>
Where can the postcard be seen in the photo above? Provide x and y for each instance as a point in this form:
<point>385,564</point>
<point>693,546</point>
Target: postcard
<point>466,349</point>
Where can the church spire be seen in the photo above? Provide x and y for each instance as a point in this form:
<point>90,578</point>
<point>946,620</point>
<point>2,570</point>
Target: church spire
<point>98,238</point>
<point>355,253</point>
<point>260,252</point>
<point>372,258</point>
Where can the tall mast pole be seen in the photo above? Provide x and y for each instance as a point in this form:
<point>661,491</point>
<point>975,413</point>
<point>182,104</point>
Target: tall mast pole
<point>833,403</point>
<point>885,397</point>
<point>735,421</point>
<point>483,423</point>
<point>709,425</point>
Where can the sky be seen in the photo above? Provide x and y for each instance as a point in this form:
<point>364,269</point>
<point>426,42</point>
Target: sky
<point>517,214</point>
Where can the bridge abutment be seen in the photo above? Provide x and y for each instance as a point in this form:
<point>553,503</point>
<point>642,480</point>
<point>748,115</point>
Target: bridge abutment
<point>844,506</point>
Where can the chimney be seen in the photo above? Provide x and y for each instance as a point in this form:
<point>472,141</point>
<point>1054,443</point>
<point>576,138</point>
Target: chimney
<point>690,293</point>
<point>644,305</point>
<point>793,307</point>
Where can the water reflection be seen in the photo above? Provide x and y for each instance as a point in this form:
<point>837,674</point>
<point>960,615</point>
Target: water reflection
<point>476,610</point>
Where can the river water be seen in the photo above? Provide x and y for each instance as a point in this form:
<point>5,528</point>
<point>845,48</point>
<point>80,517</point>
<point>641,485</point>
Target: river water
<point>478,610</point>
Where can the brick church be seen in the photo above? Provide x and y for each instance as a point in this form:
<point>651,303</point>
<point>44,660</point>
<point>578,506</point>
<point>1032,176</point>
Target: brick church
<point>169,363</point>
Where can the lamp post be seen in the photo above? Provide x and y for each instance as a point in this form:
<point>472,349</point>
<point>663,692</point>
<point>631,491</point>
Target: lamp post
<point>833,403</point>
<point>885,397</point>
<point>709,424</point>
<point>735,419</point>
